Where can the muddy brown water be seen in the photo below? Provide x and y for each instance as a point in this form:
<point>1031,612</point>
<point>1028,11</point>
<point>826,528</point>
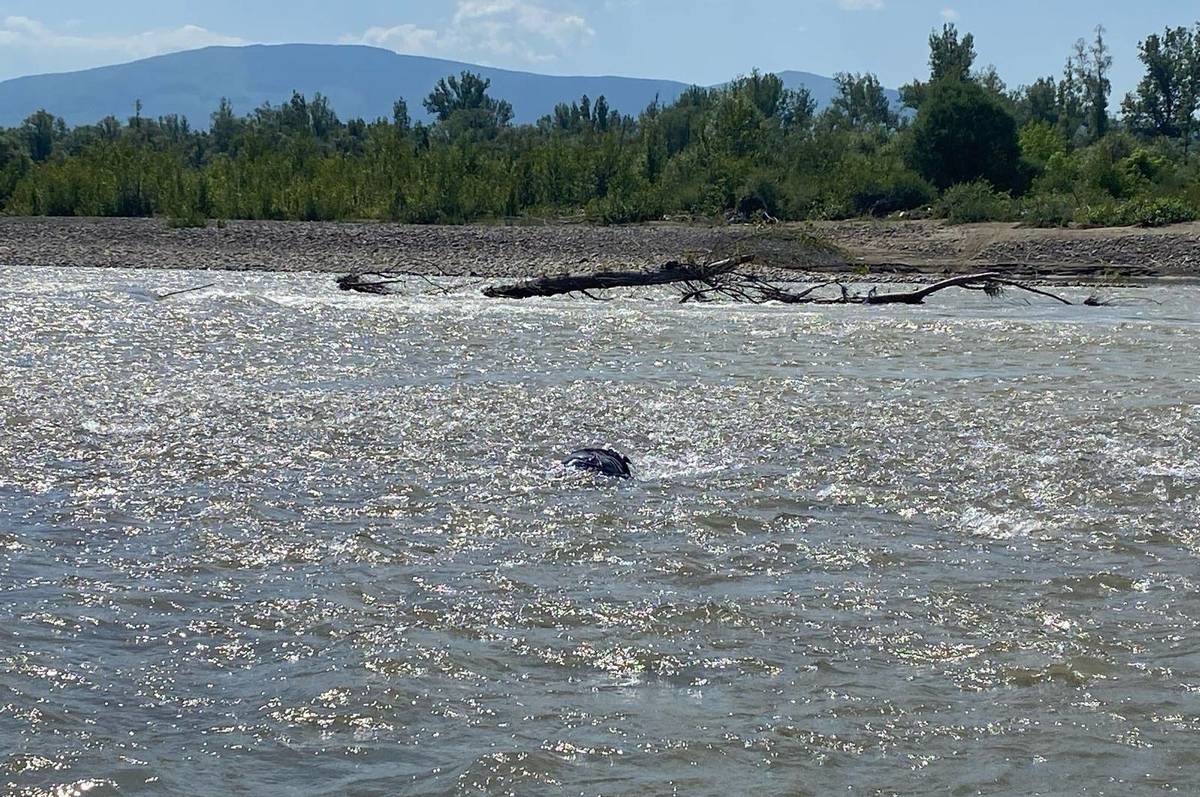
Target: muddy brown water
<point>272,539</point>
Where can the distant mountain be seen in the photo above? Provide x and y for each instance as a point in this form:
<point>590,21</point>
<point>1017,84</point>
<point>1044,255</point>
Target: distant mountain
<point>359,81</point>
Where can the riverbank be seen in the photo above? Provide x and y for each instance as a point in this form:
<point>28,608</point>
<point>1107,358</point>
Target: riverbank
<point>875,249</point>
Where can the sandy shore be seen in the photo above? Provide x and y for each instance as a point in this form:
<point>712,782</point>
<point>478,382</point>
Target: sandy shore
<point>877,249</point>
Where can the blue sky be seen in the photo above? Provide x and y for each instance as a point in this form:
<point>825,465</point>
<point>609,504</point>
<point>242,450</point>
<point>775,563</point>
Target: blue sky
<point>703,41</point>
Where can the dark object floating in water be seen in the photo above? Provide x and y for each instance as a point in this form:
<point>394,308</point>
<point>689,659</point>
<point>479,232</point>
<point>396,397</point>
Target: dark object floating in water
<point>604,461</point>
<point>367,282</point>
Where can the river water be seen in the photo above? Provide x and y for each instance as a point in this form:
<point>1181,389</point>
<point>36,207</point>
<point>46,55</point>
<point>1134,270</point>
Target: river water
<point>271,539</point>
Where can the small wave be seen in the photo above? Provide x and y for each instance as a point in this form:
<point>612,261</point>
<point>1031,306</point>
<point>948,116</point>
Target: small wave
<point>95,427</point>
<point>654,468</point>
<point>1186,471</point>
<point>996,526</point>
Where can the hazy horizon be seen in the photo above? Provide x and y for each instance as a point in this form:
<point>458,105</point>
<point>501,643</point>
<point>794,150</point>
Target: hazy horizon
<point>448,60</point>
<point>666,40</point>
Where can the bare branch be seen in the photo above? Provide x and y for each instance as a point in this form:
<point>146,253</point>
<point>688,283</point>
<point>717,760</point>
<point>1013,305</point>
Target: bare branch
<point>162,296</point>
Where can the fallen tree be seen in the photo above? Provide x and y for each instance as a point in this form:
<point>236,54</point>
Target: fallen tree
<point>380,283</point>
<point>726,279</point>
<point>376,283</point>
<point>667,274</point>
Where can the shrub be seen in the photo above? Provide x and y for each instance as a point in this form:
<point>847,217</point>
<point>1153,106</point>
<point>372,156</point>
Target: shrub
<point>1102,170</point>
<point>1158,212</point>
<point>629,202</point>
<point>1100,214</point>
<point>1047,210</point>
<point>1143,165</point>
<point>872,185</point>
<point>760,193</point>
<point>968,203</point>
<point>1060,174</point>
<point>894,192</point>
<point>191,219</point>
<point>1141,212</point>
<point>1041,141</point>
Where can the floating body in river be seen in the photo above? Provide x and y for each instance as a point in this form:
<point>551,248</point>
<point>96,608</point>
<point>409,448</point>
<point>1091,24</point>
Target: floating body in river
<point>602,461</point>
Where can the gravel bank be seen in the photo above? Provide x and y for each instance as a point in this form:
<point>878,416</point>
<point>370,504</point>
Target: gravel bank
<point>875,248</point>
<point>929,247</point>
<point>486,251</point>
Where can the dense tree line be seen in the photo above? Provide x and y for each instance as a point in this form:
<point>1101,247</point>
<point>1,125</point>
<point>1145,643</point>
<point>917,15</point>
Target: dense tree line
<point>963,146</point>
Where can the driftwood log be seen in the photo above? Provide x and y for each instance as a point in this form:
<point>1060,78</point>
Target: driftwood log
<point>706,282</point>
<point>379,283</point>
<point>667,274</point>
<point>371,282</point>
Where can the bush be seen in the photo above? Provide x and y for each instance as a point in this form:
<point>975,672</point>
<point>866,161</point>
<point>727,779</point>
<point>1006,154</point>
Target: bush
<point>631,203</point>
<point>870,185</point>
<point>1047,210</point>
<point>1100,214</point>
<point>894,192</point>
<point>192,219</point>
<point>1140,212</point>
<point>969,203</point>
<point>1103,171</point>
<point>759,194</point>
<point>1143,165</point>
<point>1158,212</point>
<point>1041,141</point>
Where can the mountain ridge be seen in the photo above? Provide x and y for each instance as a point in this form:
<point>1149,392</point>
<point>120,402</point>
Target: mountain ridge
<point>359,81</point>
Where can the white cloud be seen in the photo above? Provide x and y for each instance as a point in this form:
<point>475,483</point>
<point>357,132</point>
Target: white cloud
<point>950,15</point>
<point>401,38</point>
<point>529,31</point>
<point>29,33</point>
<point>860,5</point>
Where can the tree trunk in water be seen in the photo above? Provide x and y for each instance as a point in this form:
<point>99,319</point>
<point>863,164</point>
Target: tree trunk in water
<point>602,280</point>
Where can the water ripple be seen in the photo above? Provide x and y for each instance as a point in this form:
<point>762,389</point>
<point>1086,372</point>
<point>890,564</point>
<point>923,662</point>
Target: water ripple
<point>271,538</point>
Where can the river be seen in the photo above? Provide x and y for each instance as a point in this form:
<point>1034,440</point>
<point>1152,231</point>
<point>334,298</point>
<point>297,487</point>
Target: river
<point>267,538</point>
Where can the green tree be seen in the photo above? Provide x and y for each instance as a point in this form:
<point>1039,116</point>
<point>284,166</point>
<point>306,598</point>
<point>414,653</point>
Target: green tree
<point>1168,97</point>
<point>1098,85</point>
<point>601,114</point>
<point>1041,141</point>
<point>224,127</point>
<point>861,103</point>
<point>963,134</point>
<point>950,58</point>
<point>766,92</point>
<point>13,164</point>
<point>736,126</point>
<point>41,132</point>
<point>322,120</point>
<point>992,83</point>
<point>468,92</point>
<point>1038,102</point>
<point>1072,93</point>
<point>109,128</point>
<point>400,117</point>
<point>799,109</point>
<point>1085,88</point>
